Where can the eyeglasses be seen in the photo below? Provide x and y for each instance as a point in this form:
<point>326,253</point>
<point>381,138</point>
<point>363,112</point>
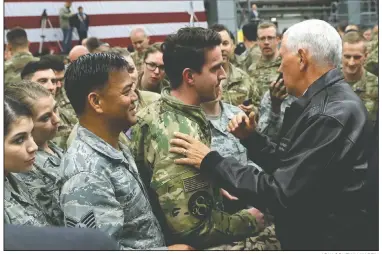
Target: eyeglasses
<point>153,66</point>
<point>269,38</point>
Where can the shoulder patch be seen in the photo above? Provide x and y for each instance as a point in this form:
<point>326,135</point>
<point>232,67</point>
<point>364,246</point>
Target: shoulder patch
<point>87,221</point>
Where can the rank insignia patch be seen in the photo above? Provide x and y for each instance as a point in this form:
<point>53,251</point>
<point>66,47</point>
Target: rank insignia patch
<point>87,221</point>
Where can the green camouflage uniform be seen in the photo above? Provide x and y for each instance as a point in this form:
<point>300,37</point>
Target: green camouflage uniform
<point>266,240</point>
<point>239,87</point>
<point>65,127</point>
<point>251,56</point>
<point>237,61</point>
<point>188,202</point>
<point>371,63</point>
<point>367,89</point>
<point>162,84</point>
<point>43,182</point>
<point>64,103</point>
<point>14,66</point>
<point>145,98</point>
<point>19,206</point>
<point>264,72</point>
<point>103,190</point>
<point>138,60</point>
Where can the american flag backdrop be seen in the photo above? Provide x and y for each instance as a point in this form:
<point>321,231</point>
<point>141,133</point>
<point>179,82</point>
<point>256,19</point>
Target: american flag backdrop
<point>110,21</point>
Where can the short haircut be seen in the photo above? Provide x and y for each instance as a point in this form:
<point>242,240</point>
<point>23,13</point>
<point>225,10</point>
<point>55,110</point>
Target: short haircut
<point>13,110</point>
<point>186,49</point>
<point>17,37</point>
<point>56,62</point>
<point>219,28</point>
<point>119,51</point>
<point>151,50</point>
<point>88,73</point>
<point>354,38</point>
<point>351,27</point>
<point>80,7</point>
<point>32,67</point>
<point>250,31</point>
<point>27,92</point>
<point>93,43</point>
<point>266,25</point>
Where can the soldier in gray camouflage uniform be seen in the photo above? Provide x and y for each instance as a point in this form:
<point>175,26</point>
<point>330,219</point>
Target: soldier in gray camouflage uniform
<point>43,181</point>
<point>102,188</point>
<point>19,150</point>
<point>18,47</point>
<point>272,110</point>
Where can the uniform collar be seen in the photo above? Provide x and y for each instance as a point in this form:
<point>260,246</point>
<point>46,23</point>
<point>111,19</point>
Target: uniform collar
<point>99,144</point>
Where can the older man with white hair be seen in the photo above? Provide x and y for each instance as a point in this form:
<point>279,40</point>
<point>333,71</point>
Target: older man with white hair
<point>313,179</point>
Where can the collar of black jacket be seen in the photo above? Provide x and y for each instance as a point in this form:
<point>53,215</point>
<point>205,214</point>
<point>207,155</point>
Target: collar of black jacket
<point>328,79</point>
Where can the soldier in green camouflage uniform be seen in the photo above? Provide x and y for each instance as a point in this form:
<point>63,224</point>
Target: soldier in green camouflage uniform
<point>264,72</point>
<point>266,69</point>
<point>251,56</point>
<point>192,206</point>
<point>238,86</point>
<point>253,52</point>
<point>188,206</point>
<point>140,43</point>
<point>367,89</point>
<point>371,63</point>
<point>14,66</point>
<point>152,77</point>
<point>364,84</point>
<point>18,47</point>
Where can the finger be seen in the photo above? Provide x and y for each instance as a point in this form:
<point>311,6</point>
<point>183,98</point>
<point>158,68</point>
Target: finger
<point>272,84</point>
<point>183,136</point>
<point>180,143</point>
<point>251,118</point>
<point>239,119</point>
<point>177,150</point>
<point>284,96</point>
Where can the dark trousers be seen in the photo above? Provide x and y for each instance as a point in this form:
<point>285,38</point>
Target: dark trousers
<point>82,35</point>
<point>67,42</point>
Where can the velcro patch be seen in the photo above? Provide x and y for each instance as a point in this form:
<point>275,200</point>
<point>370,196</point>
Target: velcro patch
<point>194,183</point>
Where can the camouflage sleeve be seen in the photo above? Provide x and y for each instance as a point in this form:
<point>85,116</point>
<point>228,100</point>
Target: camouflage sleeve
<point>64,15</point>
<point>88,200</point>
<point>254,93</point>
<point>371,97</point>
<point>186,199</point>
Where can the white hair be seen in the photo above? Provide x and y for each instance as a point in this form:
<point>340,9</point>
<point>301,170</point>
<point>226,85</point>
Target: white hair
<point>319,38</point>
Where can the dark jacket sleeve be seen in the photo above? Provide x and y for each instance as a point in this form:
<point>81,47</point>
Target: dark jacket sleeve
<point>301,173</point>
<point>87,21</point>
<point>261,151</point>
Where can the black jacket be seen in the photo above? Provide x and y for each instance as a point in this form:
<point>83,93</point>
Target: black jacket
<point>75,21</point>
<point>314,177</point>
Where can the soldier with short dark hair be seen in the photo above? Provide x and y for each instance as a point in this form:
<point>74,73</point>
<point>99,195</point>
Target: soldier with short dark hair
<point>18,46</point>
<point>188,206</point>
<point>102,188</point>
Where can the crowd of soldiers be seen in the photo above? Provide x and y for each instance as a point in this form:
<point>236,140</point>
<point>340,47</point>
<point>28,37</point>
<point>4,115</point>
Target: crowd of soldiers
<point>87,143</point>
